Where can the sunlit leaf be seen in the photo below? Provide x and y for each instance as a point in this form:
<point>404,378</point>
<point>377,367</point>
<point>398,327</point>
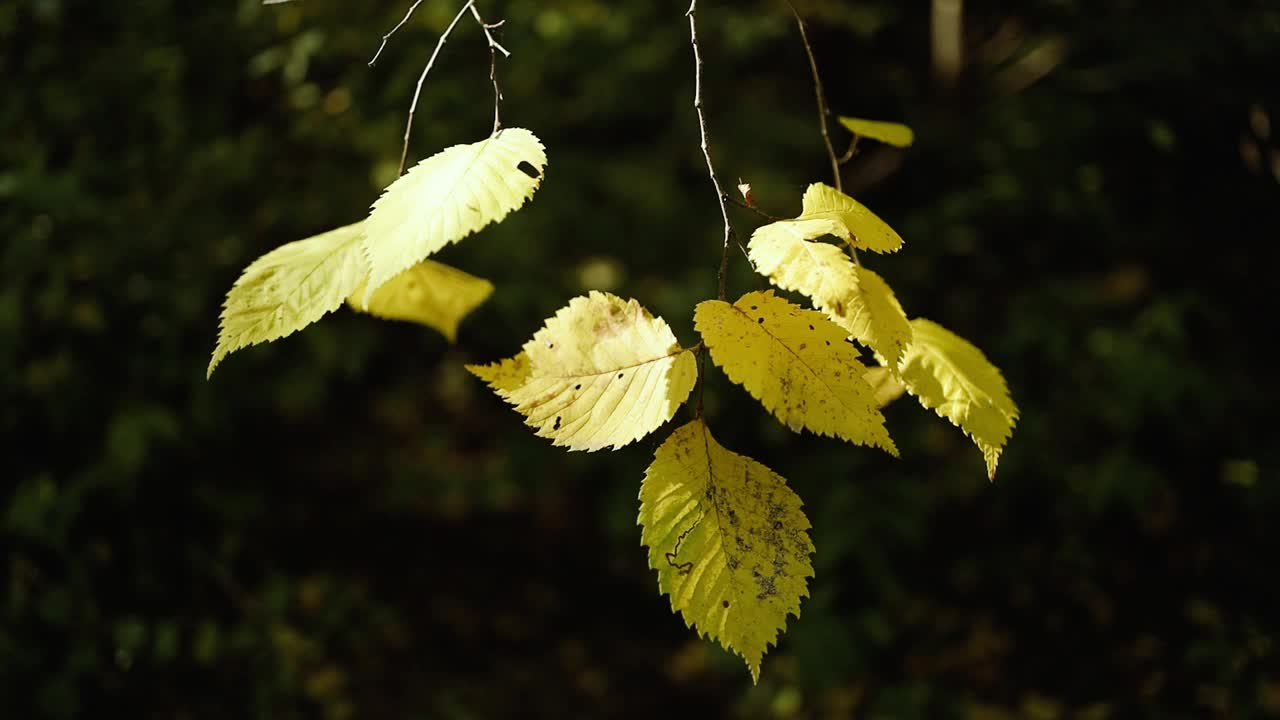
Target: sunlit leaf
<point>890,133</point>
<point>728,539</point>
<point>289,288</point>
<point>853,221</point>
<point>797,363</point>
<point>950,376</point>
<point>853,296</point>
<point>602,372</point>
<point>447,197</point>
<point>429,293</point>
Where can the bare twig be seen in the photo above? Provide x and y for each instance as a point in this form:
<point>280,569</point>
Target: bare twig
<point>721,196</point>
<point>387,37</point>
<point>494,48</point>
<point>408,127</point>
<point>486,27</point>
<point>823,109</point>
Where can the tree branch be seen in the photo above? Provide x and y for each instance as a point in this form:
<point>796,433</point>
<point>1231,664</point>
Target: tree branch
<point>393,30</point>
<point>408,127</point>
<point>494,49</point>
<point>823,109</point>
<point>721,196</point>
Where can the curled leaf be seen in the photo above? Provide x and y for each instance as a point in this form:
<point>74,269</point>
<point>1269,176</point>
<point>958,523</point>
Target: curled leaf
<point>853,221</point>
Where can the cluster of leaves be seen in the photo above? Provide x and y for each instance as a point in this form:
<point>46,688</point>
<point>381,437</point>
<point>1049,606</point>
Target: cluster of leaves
<point>380,265</point>
<point>725,534</point>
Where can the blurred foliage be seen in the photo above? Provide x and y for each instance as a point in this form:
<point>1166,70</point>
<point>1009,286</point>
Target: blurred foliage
<point>344,525</point>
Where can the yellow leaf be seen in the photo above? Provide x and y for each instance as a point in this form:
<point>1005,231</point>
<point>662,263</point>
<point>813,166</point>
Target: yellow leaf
<point>429,293</point>
<point>950,376</point>
<point>890,133</point>
<point>289,288</point>
<point>505,375</point>
<point>871,313</point>
<point>797,363</point>
<point>782,252</point>
<point>853,296</point>
<point>602,372</point>
<point>728,539</point>
<point>853,221</point>
<point>447,197</point>
<point>887,386</point>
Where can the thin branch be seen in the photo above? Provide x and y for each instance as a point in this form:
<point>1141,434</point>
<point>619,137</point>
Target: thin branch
<point>408,127</point>
<point>494,49</point>
<point>486,27</point>
<point>823,109</point>
<point>721,196</point>
<point>387,37</point>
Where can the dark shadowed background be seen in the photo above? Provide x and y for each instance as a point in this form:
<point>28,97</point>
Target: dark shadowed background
<point>344,524</point>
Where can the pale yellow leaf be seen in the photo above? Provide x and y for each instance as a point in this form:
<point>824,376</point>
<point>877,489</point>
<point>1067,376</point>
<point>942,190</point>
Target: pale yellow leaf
<point>447,197</point>
<point>890,133</point>
<point>886,385</point>
<point>953,378</point>
<point>854,222</point>
<point>853,296</point>
<point>429,293</point>
<point>504,375</point>
<point>289,288</point>
<point>781,251</point>
<point>797,363</point>
<point>729,541</point>
<point>602,372</point>
<point>871,313</point>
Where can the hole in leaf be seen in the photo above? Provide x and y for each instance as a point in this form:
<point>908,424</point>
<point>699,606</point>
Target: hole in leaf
<point>619,375</point>
<point>810,327</point>
<point>761,321</point>
<point>578,386</point>
<point>557,425</point>
<point>527,168</point>
<point>726,604</point>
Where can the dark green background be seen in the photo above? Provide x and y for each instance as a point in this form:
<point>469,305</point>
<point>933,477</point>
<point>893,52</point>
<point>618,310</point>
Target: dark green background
<point>343,524</point>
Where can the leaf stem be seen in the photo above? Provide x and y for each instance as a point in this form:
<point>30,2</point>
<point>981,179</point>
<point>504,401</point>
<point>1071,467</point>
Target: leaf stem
<point>413,107</point>
<point>721,196</point>
<point>755,209</point>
